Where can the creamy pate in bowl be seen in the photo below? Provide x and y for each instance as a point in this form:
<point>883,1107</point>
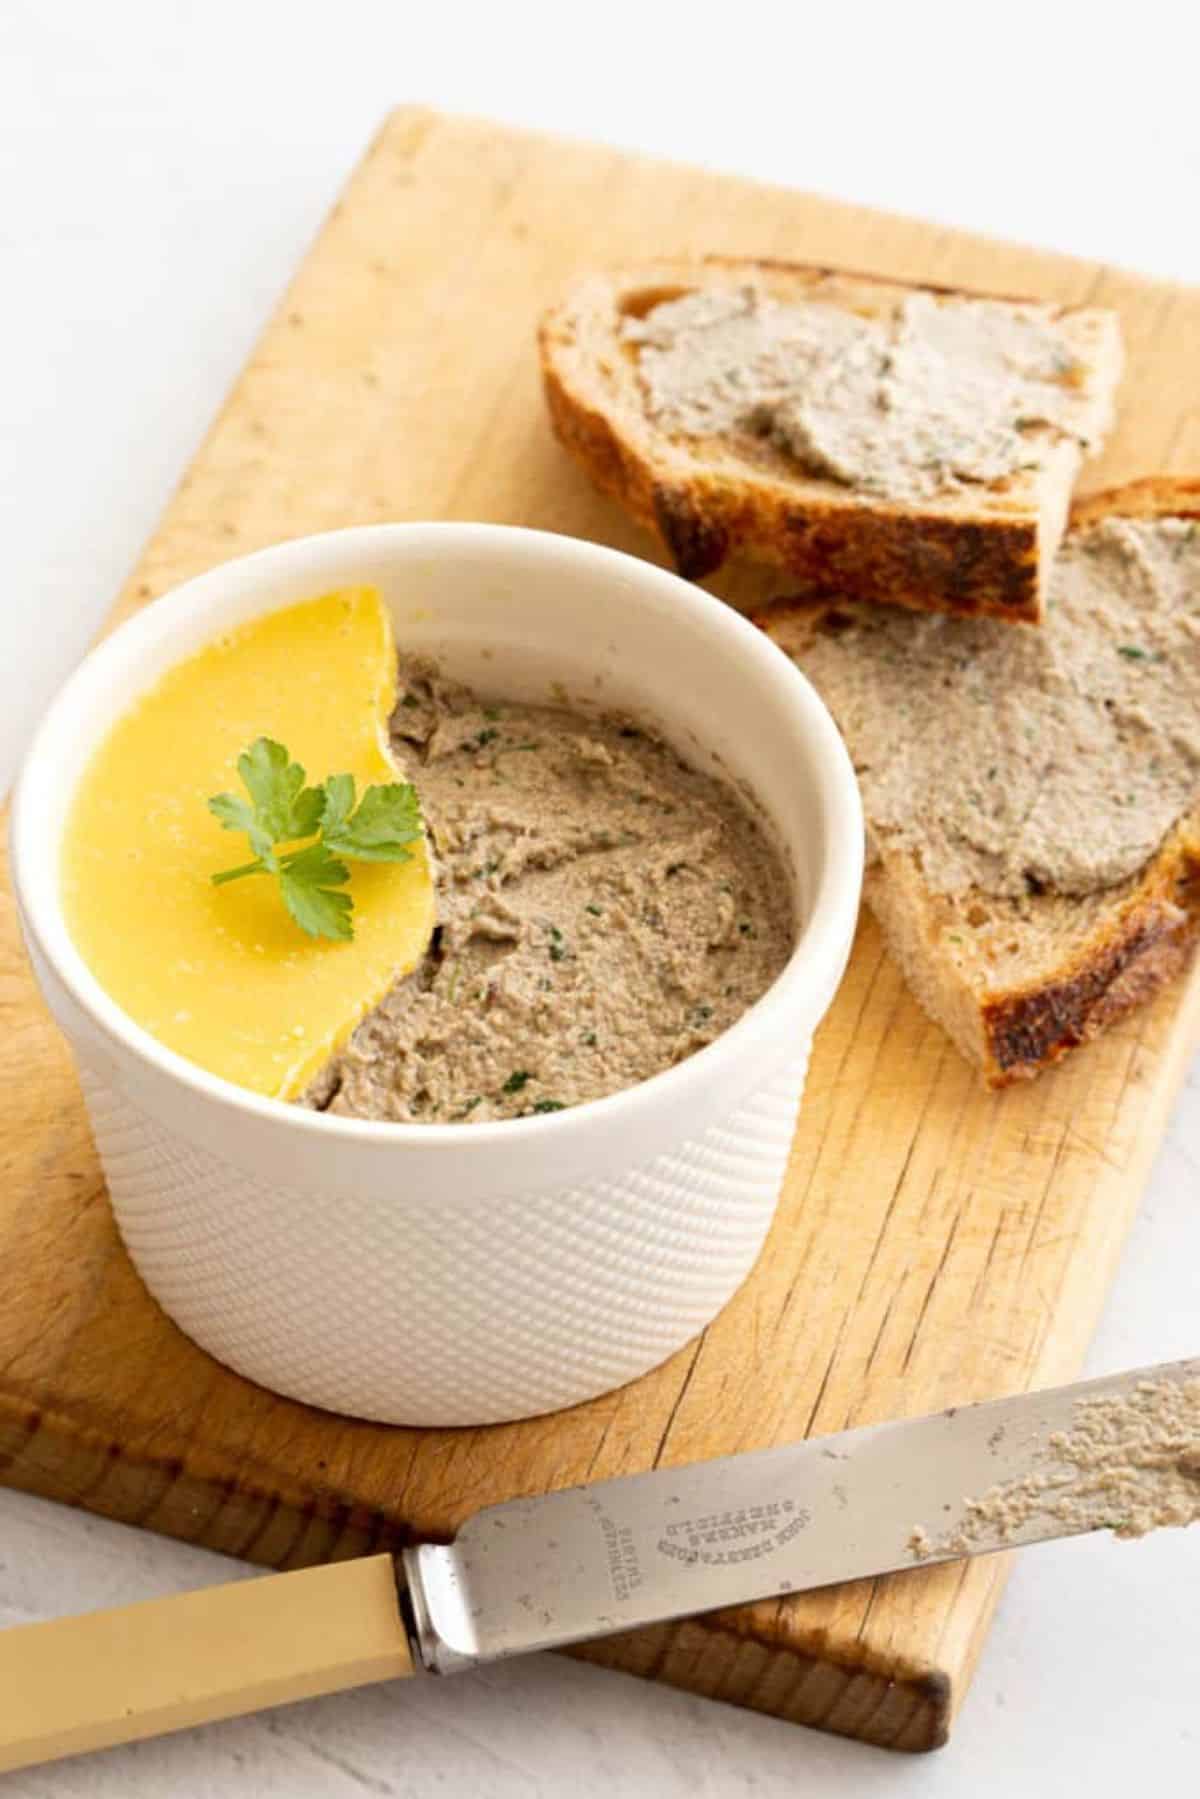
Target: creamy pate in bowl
<point>604,910</point>
<point>540,1158</point>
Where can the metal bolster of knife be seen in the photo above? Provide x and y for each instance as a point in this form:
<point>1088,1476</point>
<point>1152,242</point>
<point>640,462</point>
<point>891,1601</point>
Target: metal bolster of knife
<point>430,1648</point>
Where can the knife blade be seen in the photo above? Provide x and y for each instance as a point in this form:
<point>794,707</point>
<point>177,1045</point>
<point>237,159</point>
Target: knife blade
<point>590,1561</point>
<point>1121,1453</point>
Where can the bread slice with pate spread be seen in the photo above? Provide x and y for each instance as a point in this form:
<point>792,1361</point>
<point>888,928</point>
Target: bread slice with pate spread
<point>1032,797</point>
<point>911,445</point>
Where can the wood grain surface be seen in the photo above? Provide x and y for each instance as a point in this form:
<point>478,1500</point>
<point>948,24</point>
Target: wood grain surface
<point>934,1244</point>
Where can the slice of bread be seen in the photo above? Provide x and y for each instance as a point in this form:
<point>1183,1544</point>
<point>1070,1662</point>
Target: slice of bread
<point>1017,984</point>
<point>970,547</point>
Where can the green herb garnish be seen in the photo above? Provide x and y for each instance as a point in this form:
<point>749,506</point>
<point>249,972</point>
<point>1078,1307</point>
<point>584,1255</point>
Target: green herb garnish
<point>282,809</point>
<point>520,1077</point>
<point>548,1105</point>
<point>1133,652</point>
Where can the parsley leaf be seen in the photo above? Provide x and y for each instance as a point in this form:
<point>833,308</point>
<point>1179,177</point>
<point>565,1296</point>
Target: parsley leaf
<point>386,820</point>
<point>339,803</point>
<point>311,885</point>
<point>236,815</point>
<point>282,809</point>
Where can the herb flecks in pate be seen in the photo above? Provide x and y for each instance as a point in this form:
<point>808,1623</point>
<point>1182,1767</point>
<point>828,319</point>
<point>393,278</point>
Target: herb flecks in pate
<point>935,396</point>
<point>1013,759</point>
<point>604,912</point>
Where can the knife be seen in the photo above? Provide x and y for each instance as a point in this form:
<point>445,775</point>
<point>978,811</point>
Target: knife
<point>1121,1453</point>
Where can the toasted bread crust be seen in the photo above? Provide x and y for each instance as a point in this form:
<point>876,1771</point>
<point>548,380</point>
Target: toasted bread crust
<point>966,566</point>
<point>1145,947</point>
<point>985,558</point>
<point>1140,943</point>
<point>1149,941</point>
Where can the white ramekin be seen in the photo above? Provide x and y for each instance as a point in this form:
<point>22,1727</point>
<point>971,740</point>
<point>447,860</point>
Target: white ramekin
<point>463,1274</point>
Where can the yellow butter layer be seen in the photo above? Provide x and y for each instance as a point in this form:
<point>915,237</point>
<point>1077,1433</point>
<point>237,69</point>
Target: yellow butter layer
<point>223,974</point>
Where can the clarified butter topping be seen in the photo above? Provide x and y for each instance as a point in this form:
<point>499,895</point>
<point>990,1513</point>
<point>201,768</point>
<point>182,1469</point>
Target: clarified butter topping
<point>222,974</point>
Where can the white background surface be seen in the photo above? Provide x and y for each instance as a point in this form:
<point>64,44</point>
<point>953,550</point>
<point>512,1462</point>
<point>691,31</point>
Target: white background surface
<point>162,167</point>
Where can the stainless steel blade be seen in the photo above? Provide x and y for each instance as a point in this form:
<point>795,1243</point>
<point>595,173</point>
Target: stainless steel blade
<point>590,1561</point>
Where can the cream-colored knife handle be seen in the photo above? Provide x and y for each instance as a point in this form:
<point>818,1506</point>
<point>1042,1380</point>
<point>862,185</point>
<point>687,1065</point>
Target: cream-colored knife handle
<point>112,1677</point>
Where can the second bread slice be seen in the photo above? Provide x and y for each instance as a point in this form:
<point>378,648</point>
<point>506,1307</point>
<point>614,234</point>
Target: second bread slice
<point>1032,798</point>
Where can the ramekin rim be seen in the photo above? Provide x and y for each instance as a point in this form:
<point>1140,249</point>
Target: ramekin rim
<point>822,940</point>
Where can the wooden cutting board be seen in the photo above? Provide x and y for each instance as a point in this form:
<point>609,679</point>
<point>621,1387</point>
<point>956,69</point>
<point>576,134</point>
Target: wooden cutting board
<point>934,1244</point>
